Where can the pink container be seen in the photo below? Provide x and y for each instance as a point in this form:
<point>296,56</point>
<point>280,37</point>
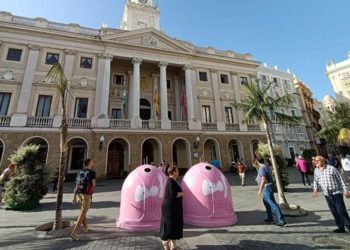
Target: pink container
<point>141,199</point>
<point>207,200</point>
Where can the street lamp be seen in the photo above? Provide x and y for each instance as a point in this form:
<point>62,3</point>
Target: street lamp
<point>101,141</point>
<point>196,142</point>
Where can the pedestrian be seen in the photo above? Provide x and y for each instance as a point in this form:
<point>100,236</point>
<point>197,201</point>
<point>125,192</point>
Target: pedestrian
<point>84,188</point>
<point>331,160</point>
<point>54,181</point>
<point>313,163</point>
<point>301,165</point>
<point>6,175</point>
<point>265,183</point>
<point>345,163</point>
<point>171,224</point>
<point>333,187</point>
<point>241,169</point>
<point>216,163</point>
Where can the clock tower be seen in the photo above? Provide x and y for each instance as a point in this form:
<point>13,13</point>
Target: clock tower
<point>139,14</point>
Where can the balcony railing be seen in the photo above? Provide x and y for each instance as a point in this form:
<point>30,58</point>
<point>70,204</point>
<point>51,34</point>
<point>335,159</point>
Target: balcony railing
<point>5,121</point>
<point>253,127</point>
<point>151,124</point>
<point>232,127</point>
<point>120,123</point>
<point>79,123</point>
<point>209,126</point>
<point>39,122</point>
<point>179,125</point>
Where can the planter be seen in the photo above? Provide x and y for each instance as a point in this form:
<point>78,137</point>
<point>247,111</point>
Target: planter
<point>45,231</point>
<point>294,211</point>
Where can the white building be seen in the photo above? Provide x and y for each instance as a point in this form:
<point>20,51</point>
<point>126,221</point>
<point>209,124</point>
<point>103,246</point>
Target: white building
<point>136,95</point>
<point>339,75</point>
<point>292,139</point>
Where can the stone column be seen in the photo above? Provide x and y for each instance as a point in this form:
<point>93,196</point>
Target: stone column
<point>68,71</point>
<point>218,107</point>
<point>135,119</point>
<point>102,91</point>
<point>165,122</point>
<point>236,88</point>
<point>19,119</point>
<point>178,96</point>
<point>130,103</point>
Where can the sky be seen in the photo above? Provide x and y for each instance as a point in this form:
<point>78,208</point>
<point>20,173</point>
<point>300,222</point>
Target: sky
<point>301,35</point>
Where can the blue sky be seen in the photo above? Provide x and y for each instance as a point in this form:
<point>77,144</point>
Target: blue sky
<point>302,35</point>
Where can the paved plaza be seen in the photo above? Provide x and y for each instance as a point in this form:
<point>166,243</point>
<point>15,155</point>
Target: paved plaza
<point>311,232</point>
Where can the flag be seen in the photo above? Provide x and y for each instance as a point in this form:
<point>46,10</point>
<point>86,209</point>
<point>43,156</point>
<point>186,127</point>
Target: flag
<point>156,102</point>
<point>184,104</point>
<point>124,99</point>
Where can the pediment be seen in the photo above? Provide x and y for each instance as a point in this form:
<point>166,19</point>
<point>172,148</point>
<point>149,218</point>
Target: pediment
<point>148,37</point>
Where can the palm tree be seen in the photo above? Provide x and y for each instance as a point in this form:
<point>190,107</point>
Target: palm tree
<point>259,107</point>
<point>338,120</point>
<point>56,75</point>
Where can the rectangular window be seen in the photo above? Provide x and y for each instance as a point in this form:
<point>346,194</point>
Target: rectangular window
<point>293,112</point>
<point>4,102</point>
<point>229,114</point>
<point>116,114</point>
<point>168,84</point>
<point>14,55</point>
<point>224,78</point>
<point>86,62</point>
<point>203,77</point>
<point>44,105</point>
<point>170,115</point>
<point>244,80</point>
<point>206,114</point>
<point>52,58</point>
<point>118,79</point>
<point>275,80</point>
<point>81,105</point>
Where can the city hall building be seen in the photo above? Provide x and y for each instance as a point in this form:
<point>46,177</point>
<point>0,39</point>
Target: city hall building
<point>135,94</point>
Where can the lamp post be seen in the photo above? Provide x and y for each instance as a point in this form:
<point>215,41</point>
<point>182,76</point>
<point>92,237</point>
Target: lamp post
<point>101,141</point>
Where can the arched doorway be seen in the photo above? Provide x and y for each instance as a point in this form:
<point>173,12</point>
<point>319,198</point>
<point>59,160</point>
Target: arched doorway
<point>211,151</point>
<point>2,146</point>
<point>145,109</point>
<point>117,158</point>
<point>151,152</point>
<point>181,154</point>
<point>235,150</point>
<point>77,153</point>
<point>43,147</point>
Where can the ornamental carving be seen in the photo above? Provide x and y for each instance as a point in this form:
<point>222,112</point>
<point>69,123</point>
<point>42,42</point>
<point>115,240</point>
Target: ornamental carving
<point>150,41</point>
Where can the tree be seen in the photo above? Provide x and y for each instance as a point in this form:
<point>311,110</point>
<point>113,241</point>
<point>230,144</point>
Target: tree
<point>56,75</point>
<point>259,107</point>
<point>344,136</point>
<point>28,187</point>
<point>338,120</point>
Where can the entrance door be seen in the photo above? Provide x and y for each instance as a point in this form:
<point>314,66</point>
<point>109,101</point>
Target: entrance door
<point>115,160</point>
<point>145,109</point>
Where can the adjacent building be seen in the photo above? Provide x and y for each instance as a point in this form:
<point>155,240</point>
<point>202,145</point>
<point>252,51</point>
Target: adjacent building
<point>135,95</point>
<point>339,75</point>
<point>292,139</point>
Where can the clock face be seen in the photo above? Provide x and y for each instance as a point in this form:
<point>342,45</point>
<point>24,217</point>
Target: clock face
<point>143,1</point>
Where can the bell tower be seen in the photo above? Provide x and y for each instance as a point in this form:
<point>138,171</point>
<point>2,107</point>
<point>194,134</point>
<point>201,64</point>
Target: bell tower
<point>140,14</point>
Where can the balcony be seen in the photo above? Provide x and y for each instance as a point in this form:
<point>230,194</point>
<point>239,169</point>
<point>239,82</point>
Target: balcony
<point>39,122</point>
<point>5,121</point>
<point>179,125</point>
<point>253,127</point>
<point>78,123</point>
<point>151,124</point>
<point>120,123</point>
<point>209,126</point>
<point>232,127</point>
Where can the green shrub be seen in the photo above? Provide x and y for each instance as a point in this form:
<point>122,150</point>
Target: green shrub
<point>30,184</point>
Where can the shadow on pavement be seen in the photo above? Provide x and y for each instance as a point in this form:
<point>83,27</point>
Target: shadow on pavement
<point>264,245</point>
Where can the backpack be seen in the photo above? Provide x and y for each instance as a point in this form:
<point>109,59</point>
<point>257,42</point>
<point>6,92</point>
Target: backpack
<point>83,182</point>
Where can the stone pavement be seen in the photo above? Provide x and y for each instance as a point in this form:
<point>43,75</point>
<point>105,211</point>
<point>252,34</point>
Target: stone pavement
<point>311,232</point>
